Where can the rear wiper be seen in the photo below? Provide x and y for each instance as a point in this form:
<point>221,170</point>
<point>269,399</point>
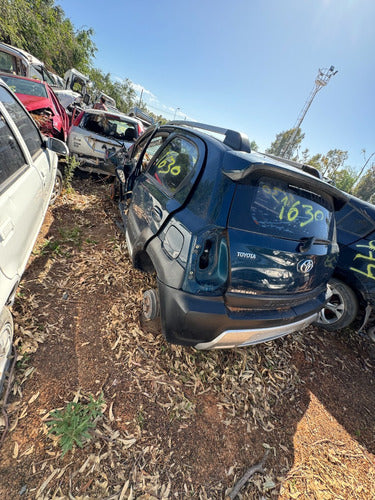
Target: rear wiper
<point>307,242</point>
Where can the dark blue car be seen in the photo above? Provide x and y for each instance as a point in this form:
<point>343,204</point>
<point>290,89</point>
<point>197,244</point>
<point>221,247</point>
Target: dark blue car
<point>242,244</point>
<point>353,282</point>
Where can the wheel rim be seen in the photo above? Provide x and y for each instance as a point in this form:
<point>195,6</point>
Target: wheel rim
<point>6,335</point>
<point>333,310</point>
<point>147,306</point>
<point>56,188</point>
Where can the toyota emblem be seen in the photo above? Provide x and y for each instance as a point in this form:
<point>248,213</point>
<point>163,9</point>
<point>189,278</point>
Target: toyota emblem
<point>305,266</point>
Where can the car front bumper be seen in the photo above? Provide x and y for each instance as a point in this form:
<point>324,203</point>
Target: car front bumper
<point>206,323</point>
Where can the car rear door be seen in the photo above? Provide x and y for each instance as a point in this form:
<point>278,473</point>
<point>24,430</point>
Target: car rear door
<point>281,237</point>
<point>170,166</point>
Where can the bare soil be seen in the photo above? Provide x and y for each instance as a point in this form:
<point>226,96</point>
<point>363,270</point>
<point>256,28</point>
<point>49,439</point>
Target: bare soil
<point>177,423</point>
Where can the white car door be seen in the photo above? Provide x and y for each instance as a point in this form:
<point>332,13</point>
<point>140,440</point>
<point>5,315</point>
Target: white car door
<point>26,181</point>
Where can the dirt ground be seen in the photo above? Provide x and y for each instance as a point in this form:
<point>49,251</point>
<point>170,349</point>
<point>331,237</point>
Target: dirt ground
<point>177,423</point>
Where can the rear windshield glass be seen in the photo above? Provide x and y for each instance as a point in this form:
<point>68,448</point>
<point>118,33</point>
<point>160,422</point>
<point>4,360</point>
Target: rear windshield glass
<point>26,87</point>
<point>109,126</point>
<point>278,208</point>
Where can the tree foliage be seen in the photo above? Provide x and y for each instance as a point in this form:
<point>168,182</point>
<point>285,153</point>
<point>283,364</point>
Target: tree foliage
<point>331,164</point>
<point>280,144</point>
<point>365,189</point>
<point>121,91</point>
<point>41,28</point>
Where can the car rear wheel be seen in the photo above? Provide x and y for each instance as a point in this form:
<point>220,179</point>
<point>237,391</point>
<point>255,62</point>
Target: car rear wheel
<point>341,308</point>
<point>6,339</point>
<point>57,188</point>
<point>151,304</point>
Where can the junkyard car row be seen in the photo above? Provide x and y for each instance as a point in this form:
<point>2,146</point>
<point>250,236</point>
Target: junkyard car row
<point>246,247</point>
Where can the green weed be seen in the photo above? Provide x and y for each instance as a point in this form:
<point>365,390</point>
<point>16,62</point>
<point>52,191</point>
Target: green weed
<point>71,164</point>
<point>72,424</point>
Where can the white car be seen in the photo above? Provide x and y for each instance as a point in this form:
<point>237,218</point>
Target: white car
<point>97,135</point>
<point>28,167</point>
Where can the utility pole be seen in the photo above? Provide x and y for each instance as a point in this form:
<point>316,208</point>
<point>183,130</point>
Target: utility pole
<point>321,81</point>
<point>175,112</point>
<point>140,99</point>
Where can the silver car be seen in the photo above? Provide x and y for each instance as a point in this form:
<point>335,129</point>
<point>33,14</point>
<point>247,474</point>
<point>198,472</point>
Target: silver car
<point>28,166</point>
<point>96,136</point>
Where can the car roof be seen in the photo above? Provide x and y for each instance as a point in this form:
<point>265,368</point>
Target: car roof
<point>20,52</point>
<point>238,141</point>
<point>19,77</point>
<point>238,163</point>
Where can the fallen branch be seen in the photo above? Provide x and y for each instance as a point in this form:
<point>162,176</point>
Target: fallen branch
<point>244,479</point>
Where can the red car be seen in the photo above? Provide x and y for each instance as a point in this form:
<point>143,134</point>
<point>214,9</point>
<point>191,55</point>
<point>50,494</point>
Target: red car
<point>41,102</point>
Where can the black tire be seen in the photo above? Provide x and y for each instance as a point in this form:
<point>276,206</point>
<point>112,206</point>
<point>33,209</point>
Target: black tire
<point>6,340</point>
<point>151,304</point>
<point>341,309</point>
<point>57,188</point>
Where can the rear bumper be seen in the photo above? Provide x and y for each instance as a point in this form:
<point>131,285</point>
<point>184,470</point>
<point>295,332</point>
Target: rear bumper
<point>242,338</point>
<point>95,165</point>
<point>206,323</point>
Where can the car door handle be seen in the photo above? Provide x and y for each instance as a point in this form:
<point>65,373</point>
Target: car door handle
<point>6,228</point>
<point>156,213</point>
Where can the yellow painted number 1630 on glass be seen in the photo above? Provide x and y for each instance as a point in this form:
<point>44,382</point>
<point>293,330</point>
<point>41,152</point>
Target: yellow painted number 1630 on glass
<point>290,211</point>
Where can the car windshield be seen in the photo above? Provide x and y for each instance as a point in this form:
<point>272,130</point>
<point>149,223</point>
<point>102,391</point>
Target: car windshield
<point>109,126</point>
<point>27,87</point>
<point>282,209</point>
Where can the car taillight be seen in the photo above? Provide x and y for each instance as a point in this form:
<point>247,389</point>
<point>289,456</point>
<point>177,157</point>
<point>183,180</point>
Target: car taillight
<point>140,129</point>
<point>77,120</point>
<point>208,265</point>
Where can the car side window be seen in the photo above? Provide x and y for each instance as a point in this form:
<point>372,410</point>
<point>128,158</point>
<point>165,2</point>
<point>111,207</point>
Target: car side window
<point>154,145</point>
<point>174,163</point>
<point>25,124</point>
<point>12,158</point>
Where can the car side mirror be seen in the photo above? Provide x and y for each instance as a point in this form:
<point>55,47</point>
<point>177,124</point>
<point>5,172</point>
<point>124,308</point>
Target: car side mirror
<point>86,99</point>
<point>120,174</point>
<point>57,146</point>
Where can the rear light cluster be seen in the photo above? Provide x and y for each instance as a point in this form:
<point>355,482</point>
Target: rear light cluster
<point>208,266</point>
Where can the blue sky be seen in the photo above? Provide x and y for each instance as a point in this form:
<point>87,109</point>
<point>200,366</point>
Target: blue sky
<point>249,65</point>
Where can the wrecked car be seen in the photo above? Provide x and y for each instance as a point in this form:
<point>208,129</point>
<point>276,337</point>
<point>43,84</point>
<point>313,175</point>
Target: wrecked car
<point>41,102</point>
<point>239,241</point>
<point>28,169</point>
<point>17,61</point>
<point>96,136</point>
<point>353,282</point>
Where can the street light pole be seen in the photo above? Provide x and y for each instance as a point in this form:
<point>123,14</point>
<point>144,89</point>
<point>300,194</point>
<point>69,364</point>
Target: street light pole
<point>175,112</point>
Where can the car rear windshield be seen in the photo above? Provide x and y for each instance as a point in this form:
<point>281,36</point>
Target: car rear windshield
<point>26,87</point>
<point>278,208</point>
<point>109,126</point>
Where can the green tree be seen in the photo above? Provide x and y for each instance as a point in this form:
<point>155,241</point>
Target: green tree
<point>280,144</point>
<point>344,178</point>
<point>41,28</point>
<point>122,92</point>
<point>365,189</point>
